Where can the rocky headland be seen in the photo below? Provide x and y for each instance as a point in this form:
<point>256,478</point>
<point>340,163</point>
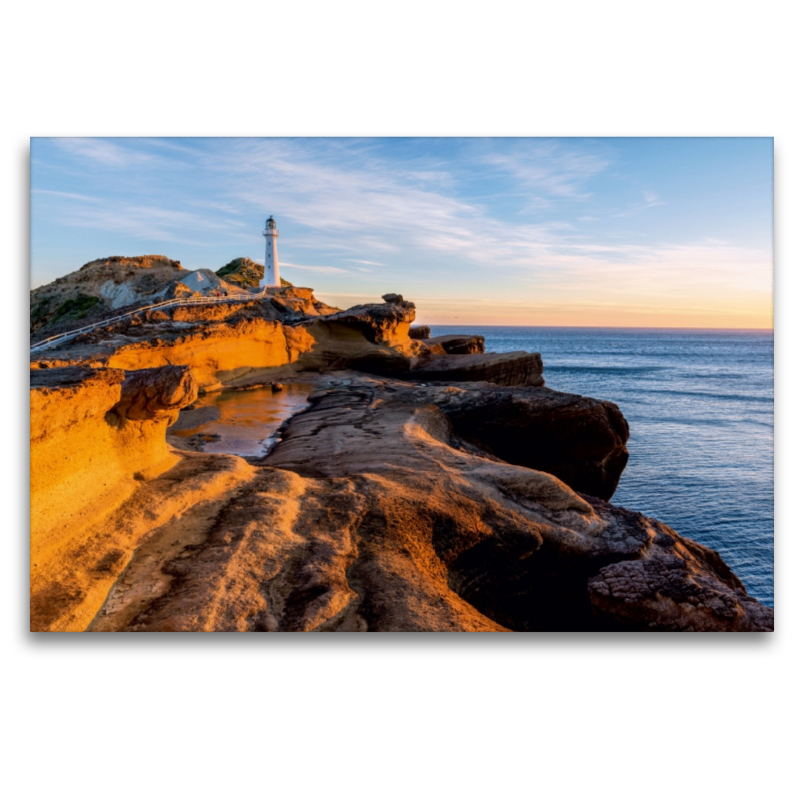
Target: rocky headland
<point>428,485</point>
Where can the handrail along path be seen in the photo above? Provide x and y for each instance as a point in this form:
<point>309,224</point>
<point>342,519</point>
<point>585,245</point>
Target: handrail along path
<point>52,341</point>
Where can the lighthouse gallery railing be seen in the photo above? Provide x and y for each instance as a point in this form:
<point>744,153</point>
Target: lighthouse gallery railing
<point>52,341</point>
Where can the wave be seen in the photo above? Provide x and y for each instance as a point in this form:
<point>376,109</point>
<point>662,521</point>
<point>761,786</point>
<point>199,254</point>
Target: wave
<point>736,398</point>
<point>603,370</point>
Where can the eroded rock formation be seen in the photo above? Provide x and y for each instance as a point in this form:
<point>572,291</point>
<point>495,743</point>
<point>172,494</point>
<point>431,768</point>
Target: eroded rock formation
<point>439,487</point>
<point>95,436</point>
<point>253,341</point>
<point>374,514</point>
<point>578,439</point>
<point>457,345</point>
<point>156,394</point>
<point>505,369</point>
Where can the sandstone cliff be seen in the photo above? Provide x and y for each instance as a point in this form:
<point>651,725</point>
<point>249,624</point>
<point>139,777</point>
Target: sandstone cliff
<point>240,343</point>
<point>95,436</point>
<point>384,507</point>
<point>449,491</point>
<point>245,342</point>
<point>373,514</point>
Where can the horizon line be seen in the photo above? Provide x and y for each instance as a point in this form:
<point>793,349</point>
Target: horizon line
<point>601,327</point>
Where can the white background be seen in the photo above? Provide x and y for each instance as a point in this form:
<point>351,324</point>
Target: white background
<point>398,715</point>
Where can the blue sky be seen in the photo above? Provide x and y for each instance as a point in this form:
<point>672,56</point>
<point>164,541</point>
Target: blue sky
<point>642,232</point>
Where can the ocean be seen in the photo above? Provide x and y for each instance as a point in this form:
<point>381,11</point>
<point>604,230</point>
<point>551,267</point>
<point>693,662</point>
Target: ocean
<point>699,404</point>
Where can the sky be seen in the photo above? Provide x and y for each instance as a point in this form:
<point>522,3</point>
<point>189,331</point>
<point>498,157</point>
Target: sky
<point>644,232</point>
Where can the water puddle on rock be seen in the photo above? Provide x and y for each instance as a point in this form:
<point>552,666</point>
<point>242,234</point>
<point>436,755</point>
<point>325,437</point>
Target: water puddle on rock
<point>243,423</point>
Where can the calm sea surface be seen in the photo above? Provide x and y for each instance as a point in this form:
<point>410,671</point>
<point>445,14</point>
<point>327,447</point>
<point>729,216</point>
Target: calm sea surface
<point>700,409</point>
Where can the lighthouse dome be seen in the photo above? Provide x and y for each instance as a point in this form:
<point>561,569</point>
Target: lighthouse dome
<point>270,222</point>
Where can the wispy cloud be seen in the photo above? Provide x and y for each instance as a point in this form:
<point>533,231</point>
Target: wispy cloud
<point>321,270</point>
<point>464,218</point>
<point>142,222</point>
<point>105,152</point>
<point>550,168</point>
<point>67,195</point>
<point>650,199</point>
<point>226,208</point>
<point>361,208</point>
<point>353,202</point>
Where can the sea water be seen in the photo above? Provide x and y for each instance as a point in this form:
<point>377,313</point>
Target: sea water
<point>699,404</point>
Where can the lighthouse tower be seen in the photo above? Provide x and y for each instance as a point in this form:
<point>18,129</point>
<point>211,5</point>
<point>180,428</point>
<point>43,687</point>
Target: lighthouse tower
<point>272,275</point>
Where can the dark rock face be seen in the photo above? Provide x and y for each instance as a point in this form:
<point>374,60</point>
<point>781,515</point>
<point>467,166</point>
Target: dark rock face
<point>577,439</point>
<point>516,544</point>
<point>639,575</point>
<point>504,369</point>
<point>458,345</point>
<point>676,588</point>
<point>420,332</point>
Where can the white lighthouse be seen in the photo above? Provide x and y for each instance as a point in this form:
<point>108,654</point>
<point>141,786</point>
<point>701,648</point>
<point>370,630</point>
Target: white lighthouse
<point>272,274</point>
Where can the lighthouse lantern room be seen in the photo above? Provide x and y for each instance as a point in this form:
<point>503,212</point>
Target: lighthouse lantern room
<point>272,276</point>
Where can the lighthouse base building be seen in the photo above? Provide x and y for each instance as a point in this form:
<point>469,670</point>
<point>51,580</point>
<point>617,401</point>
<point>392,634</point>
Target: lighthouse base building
<point>272,275</point>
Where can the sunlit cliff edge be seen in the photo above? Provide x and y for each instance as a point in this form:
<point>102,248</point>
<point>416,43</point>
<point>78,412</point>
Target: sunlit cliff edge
<point>429,486</point>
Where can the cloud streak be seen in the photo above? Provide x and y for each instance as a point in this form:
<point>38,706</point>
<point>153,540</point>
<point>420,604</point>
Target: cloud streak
<point>309,268</point>
<point>468,218</point>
